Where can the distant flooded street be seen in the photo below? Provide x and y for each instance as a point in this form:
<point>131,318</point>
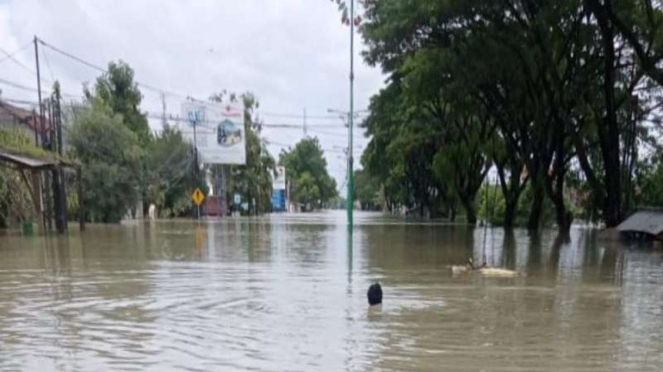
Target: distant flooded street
<point>288,292</point>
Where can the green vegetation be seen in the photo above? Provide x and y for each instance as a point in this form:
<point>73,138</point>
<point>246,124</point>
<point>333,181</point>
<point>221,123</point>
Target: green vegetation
<point>15,199</point>
<point>367,191</point>
<point>118,91</point>
<point>111,158</point>
<point>122,161</point>
<point>168,172</point>
<point>310,184</point>
<point>557,97</point>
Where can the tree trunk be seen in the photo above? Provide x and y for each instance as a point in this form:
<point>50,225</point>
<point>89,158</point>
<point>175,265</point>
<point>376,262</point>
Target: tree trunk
<point>608,128</point>
<point>537,208</point>
<point>510,212</point>
<point>564,217</point>
<point>470,210</point>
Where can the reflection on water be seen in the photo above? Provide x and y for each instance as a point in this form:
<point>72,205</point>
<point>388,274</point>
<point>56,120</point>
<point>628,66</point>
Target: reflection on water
<point>288,292</point>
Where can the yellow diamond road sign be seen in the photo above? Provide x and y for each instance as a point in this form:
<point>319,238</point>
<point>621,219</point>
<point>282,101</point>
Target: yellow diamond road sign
<point>197,196</point>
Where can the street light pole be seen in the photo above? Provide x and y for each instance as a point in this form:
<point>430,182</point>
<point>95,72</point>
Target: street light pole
<point>350,198</point>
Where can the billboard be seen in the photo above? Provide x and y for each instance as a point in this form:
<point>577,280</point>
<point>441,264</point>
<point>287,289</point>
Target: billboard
<point>278,179</point>
<point>220,136</point>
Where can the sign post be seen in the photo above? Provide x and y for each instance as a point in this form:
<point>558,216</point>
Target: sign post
<point>197,197</point>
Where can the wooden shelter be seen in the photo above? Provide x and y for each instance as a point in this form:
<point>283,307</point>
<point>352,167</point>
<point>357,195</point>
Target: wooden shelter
<point>31,166</point>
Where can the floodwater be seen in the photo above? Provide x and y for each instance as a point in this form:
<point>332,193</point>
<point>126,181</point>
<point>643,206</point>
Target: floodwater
<point>288,293</point>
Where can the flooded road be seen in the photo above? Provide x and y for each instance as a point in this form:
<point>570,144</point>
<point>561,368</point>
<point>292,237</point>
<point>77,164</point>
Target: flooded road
<point>288,293</point>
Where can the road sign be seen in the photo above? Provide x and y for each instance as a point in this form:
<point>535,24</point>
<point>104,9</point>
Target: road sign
<point>197,196</point>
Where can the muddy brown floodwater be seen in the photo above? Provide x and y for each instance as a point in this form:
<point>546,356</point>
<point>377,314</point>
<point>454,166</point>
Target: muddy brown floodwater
<point>288,293</point>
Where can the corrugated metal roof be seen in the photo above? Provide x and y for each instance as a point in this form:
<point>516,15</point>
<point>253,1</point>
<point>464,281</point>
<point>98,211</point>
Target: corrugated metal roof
<point>650,222</point>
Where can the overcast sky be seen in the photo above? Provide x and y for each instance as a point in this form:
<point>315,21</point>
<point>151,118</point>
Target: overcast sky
<point>292,54</point>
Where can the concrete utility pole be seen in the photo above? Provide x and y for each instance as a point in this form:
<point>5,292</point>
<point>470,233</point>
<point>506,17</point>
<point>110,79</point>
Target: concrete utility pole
<point>194,118</point>
<point>41,130</point>
<point>41,109</point>
<point>351,182</point>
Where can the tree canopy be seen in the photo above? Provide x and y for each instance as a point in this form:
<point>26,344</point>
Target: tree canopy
<point>117,90</point>
<point>110,154</point>
<point>547,93</point>
<point>306,167</point>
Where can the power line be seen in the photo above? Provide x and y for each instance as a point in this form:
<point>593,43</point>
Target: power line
<point>66,54</point>
<point>329,133</point>
<point>171,117</point>
<point>17,85</point>
<point>298,116</point>
<point>19,101</point>
<point>103,70</point>
<point>175,94</point>
<point>48,64</point>
<point>21,64</point>
<point>12,54</point>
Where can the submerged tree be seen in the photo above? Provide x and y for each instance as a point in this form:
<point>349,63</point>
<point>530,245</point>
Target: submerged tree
<point>169,161</point>
<point>564,88</point>
<point>111,156</point>
<point>306,167</point>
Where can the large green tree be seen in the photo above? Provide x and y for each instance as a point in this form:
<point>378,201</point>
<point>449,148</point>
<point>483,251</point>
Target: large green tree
<point>117,90</point>
<point>169,161</point>
<point>111,155</point>
<point>556,81</point>
<point>306,169</point>
<point>367,190</point>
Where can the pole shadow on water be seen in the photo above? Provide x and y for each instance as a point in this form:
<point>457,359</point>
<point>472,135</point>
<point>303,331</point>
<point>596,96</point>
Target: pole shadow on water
<point>350,252</point>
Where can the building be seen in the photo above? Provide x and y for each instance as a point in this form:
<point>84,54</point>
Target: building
<point>13,117</point>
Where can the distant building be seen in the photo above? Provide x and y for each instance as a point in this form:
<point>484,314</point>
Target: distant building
<point>279,193</point>
<point>13,117</point>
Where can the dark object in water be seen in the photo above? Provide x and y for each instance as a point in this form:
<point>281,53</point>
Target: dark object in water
<point>375,294</point>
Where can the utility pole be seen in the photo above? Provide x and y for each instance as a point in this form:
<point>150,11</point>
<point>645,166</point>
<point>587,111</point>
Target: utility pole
<point>193,118</point>
<point>351,182</point>
<point>41,109</point>
<point>45,216</point>
<point>59,194</point>
<point>305,133</point>
<point>41,127</point>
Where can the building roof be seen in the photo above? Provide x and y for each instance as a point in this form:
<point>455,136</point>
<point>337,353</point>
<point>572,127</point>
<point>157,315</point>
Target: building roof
<point>12,114</point>
<point>25,161</point>
<point>647,221</point>
<point>35,162</point>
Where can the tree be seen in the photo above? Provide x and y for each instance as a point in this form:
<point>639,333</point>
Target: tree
<point>556,80</point>
<point>306,167</point>
<point>110,155</point>
<point>118,91</point>
<point>169,162</point>
<point>367,190</point>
